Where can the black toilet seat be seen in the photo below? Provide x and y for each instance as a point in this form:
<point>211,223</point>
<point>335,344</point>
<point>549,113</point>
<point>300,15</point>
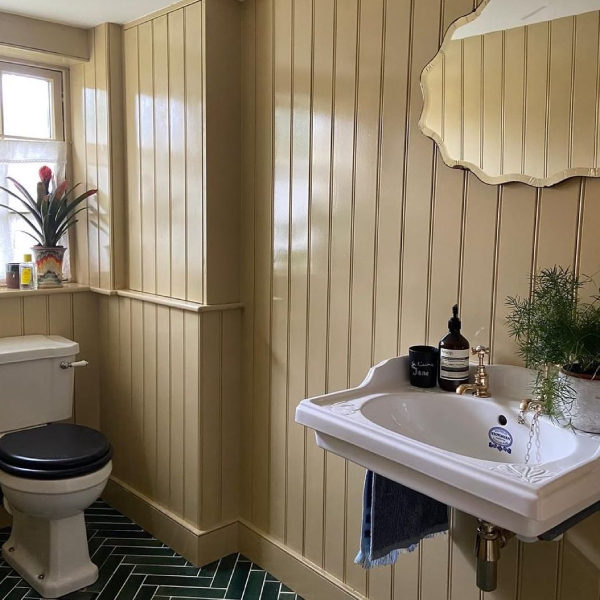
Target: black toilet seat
<point>57,451</point>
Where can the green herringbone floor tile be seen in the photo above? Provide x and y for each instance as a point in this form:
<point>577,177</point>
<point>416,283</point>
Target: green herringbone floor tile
<point>135,566</point>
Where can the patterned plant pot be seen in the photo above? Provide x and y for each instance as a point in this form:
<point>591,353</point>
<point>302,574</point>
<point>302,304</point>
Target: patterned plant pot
<point>586,408</point>
<point>49,263</point>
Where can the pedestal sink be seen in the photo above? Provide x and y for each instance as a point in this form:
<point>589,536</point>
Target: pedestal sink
<point>465,451</point>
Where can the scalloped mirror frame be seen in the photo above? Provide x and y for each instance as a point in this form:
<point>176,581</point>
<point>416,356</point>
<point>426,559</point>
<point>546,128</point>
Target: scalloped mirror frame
<point>434,68</point>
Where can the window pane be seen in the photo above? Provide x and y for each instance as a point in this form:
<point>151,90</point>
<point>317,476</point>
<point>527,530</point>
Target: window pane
<point>27,106</point>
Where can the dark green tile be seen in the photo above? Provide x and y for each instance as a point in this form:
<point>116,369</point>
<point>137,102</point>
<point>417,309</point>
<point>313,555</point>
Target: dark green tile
<point>146,592</point>
<point>106,572</point>
<point>167,570</point>
<point>209,570</point>
<point>16,594</point>
<point>238,581</point>
<point>100,556</point>
<point>285,589</point>
<point>154,560</point>
<point>271,577</point>
<point>141,551</point>
<point>190,592</point>
<point>125,534</point>
<point>131,587</point>
<point>270,590</point>
<point>148,543</point>
<point>172,580</point>
<point>7,585</point>
<point>116,582</point>
<point>254,585</point>
<point>223,574</point>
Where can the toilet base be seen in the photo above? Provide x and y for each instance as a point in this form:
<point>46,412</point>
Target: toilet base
<point>52,556</point>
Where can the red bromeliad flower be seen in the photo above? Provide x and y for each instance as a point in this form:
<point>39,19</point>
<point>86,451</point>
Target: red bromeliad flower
<point>46,177</point>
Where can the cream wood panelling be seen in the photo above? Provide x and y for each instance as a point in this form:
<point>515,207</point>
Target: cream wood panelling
<point>357,241</point>
<point>97,156</point>
<point>182,104</point>
<point>74,316</point>
<point>517,105</point>
<point>170,391</point>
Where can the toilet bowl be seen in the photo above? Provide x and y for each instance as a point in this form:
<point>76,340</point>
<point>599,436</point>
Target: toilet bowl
<point>50,472</point>
<point>49,476</point>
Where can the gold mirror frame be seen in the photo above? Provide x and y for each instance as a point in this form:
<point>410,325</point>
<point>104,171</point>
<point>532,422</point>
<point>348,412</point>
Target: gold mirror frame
<point>548,155</point>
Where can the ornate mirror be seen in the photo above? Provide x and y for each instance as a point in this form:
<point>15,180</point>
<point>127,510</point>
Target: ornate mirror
<point>514,92</point>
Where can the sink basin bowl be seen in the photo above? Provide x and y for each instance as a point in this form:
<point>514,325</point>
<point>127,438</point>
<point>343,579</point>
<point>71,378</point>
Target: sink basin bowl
<point>468,452</point>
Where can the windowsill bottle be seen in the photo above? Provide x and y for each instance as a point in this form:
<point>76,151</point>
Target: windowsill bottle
<point>27,274</point>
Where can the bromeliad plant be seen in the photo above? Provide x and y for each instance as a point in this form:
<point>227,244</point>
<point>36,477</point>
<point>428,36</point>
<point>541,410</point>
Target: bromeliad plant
<point>51,214</point>
<point>558,335</point>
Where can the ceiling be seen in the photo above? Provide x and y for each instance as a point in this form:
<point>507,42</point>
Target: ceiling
<point>84,13</point>
<point>507,14</point>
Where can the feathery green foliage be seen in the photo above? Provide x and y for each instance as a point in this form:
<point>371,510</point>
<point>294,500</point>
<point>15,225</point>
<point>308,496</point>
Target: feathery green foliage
<point>553,329</point>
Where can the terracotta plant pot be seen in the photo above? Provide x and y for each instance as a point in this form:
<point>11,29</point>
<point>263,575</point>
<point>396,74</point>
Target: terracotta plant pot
<point>49,263</point>
<point>586,408</point>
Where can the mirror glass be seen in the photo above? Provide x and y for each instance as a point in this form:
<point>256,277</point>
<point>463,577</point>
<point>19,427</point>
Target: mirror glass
<point>514,92</point>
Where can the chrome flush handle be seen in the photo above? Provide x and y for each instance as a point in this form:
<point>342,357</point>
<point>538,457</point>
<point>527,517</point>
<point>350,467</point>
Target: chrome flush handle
<point>72,365</point>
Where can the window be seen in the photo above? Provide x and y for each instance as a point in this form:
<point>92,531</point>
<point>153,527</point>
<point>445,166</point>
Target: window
<point>31,135</point>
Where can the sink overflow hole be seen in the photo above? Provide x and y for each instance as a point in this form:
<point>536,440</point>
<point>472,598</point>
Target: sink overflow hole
<point>502,420</point>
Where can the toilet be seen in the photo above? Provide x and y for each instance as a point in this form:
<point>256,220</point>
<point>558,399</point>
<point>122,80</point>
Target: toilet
<point>50,471</point>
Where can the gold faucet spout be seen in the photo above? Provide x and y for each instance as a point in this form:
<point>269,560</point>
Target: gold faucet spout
<point>463,388</point>
<point>481,387</point>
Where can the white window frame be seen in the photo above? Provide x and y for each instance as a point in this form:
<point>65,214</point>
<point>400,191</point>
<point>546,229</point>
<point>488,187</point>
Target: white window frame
<point>56,79</point>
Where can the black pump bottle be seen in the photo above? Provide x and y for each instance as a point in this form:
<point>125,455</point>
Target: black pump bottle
<point>454,356</point>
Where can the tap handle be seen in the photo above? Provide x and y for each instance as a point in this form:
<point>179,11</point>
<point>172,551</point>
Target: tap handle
<point>480,351</point>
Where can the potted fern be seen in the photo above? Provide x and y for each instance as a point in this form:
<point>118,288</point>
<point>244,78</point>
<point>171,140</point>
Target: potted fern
<point>559,336</point>
<point>49,217</point>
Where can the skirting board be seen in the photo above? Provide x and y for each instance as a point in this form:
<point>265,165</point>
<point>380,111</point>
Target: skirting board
<point>199,547</point>
<point>305,578</point>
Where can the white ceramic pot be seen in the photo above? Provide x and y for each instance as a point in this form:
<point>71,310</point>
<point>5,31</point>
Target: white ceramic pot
<point>49,263</point>
<point>586,408</point>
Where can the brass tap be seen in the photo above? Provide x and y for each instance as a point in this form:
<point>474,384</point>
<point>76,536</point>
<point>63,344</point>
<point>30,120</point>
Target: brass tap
<point>482,380</point>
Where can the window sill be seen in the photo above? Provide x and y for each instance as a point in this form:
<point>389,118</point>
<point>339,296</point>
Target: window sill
<point>68,288</point>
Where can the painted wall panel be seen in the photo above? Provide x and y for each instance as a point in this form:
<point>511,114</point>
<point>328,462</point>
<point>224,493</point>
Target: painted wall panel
<point>358,240</point>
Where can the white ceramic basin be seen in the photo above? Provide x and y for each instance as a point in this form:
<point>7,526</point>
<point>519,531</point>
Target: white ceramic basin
<point>465,451</point>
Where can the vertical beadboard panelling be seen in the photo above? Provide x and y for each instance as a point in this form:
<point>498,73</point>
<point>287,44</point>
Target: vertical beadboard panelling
<point>177,164</point>
<point>103,157</point>
<point>299,220</point>
<point>161,166</point>
<point>150,420</point>
<point>132,120</point>
<point>147,154</point>
<point>74,316</point>
<point>281,265</point>
<point>86,332</point>
<point>194,138</point>
<point>248,223</point>
<point>96,123</point>
<point>176,412</point>
<point>316,366</point>
<point>231,424</point>
<point>210,419</point>
<point>171,404</point>
<point>191,412</point>
<point>91,162</point>
<point>375,182</point>
<point>77,81</point>
<point>263,259</point>
<point>181,98</point>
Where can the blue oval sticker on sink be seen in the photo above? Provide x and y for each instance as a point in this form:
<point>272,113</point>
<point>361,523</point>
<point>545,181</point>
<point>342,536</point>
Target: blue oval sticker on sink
<point>501,439</point>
